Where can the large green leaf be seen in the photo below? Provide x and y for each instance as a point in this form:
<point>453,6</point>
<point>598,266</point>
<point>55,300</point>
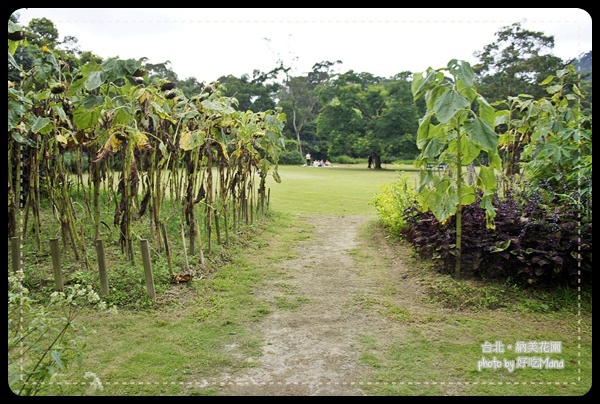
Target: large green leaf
<point>444,199</point>
<point>468,151</point>
<point>16,111</point>
<point>486,111</point>
<point>18,95</point>
<point>490,211</point>
<point>480,132</point>
<point>92,101</point>
<point>95,80</point>
<point>82,76</point>
<point>433,95</point>
<point>58,109</point>
<point>425,132</point>
<point>43,70</point>
<point>84,118</point>
<point>462,71</point>
<point>41,125</point>
<point>213,106</point>
<point>122,116</point>
<point>502,117</point>
<point>115,69</point>
<point>487,179</point>
<point>470,93</point>
<point>467,194</point>
<point>433,147</point>
<point>421,83</point>
<point>416,86</point>
<point>17,137</point>
<point>162,113</point>
<point>494,160</point>
<point>446,106</point>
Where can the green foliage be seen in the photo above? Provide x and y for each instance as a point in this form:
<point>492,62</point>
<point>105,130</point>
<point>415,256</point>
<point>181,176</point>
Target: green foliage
<point>343,159</point>
<point>291,157</point>
<point>454,134</point>
<point>43,339</point>
<point>516,63</point>
<point>118,112</point>
<point>533,243</point>
<point>559,151</point>
<point>475,296</point>
<point>457,128</point>
<point>252,95</point>
<point>364,114</point>
<point>391,203</point>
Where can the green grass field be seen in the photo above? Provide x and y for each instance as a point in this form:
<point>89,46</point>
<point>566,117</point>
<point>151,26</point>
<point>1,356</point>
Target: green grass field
<point>340,189</point>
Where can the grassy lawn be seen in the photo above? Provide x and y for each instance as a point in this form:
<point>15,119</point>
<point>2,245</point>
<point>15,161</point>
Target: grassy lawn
<point>340,189</point>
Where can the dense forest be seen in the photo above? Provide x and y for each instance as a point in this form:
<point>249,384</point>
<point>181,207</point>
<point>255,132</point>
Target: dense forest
<point>346,115</point>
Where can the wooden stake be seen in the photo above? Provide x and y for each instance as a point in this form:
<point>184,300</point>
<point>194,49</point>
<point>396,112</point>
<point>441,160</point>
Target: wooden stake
<point>102,267</point>
<point>187,264</point>
<point>148,269</point>
<point>167,249</point>
<point>199,242</point>
<point>15,253</point>
<point>58,279</point>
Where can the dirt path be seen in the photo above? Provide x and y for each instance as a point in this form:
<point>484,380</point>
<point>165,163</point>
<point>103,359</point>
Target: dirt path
<point>314,348</point>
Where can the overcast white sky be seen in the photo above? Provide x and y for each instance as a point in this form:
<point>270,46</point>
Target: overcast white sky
<point>207,43</point>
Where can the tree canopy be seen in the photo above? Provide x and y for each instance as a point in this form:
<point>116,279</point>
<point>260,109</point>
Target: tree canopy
<point>516,63</point>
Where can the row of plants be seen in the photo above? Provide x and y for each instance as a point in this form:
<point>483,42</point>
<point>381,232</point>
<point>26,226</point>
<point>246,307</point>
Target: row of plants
<point>103,153</point>
<point>525,212</point>
<point>201,152</point>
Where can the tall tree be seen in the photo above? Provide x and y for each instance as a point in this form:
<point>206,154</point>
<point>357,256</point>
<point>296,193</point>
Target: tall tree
<point>300,101</point>
<point>252,94</point>
<point>517,63</point>
<point>365,114</point>
<point>160,71</point>
<point>42,32</point>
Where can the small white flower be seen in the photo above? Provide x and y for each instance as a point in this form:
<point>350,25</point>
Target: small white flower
<point>55,297</point>
<point>95,383</point>
<point>92,296</point>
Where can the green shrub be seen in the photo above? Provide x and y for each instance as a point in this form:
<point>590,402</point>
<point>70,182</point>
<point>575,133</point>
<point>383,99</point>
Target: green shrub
<point>345,160</point>
<point>534,240</point>
<point>391,202</point>
<point>291,157</point>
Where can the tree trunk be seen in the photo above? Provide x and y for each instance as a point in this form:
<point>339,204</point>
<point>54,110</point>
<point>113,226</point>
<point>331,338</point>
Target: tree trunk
<point>377,161</point>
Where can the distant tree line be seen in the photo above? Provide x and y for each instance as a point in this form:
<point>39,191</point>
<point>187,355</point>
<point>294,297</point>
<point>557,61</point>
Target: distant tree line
<point>352,113</point>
